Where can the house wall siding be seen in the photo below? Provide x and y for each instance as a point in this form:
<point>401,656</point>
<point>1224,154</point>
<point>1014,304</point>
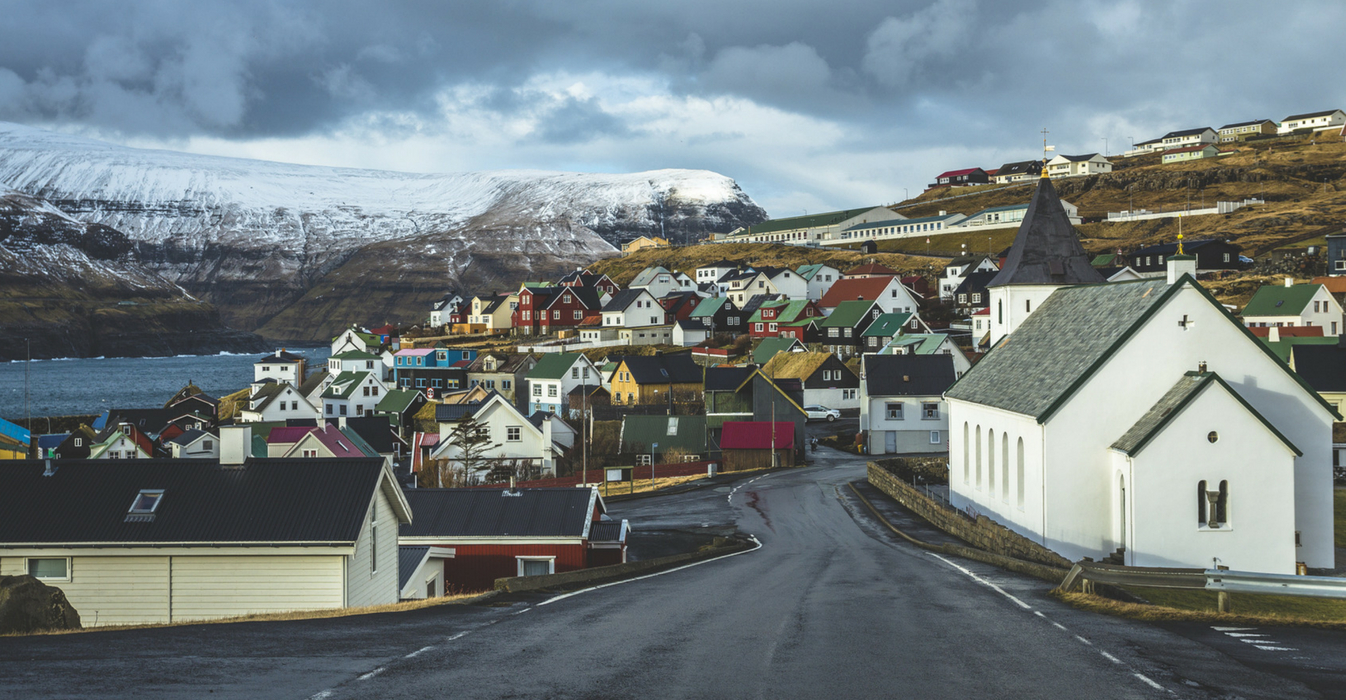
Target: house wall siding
<point>379,587</point>
<point>476,567</point>
<point>208,587</point>
<point>109,590</point>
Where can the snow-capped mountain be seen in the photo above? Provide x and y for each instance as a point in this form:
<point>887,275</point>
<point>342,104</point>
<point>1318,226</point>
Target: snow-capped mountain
<point>256,236</point>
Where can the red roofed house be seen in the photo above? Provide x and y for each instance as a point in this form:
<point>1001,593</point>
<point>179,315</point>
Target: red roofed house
<point>889,292</point>
<point>917,284</point>
<point>754,445</point>
<point>1276,333</point>
<point>961,178</point>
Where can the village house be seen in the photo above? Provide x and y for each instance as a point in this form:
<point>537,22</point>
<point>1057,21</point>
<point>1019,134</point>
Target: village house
<point>720,315</point>
<point>1211,255</point>
<point>887,327</point>
<point>971,295</point>
<point>352,394</point>
<point>1190,153</point>
<point>888,292</point>
<point>356,361</point>
<point>961,178</point>
<point>660,282</point>
<point>1241,131</point>
<point>1021,171</point>
<point>819,277</point>
<point>490,533</point>
<point>825,379</point>
<point>195,444</point>
<point>527,316</point>
<point>400,407</point>
<point>1189,137</point>
<point>711,272</point>
<point>122,441</point>
<point>446,310</point>
<point>520,445</point>
<point>747,445</point>
<point>1144,147</point>
<point>902,408</point>
<point>433,370</point>
<point>584,278</point>
<point>679,306</point>
<point>869,270</point>
<point>633,308</point>
<point>959,268</point>
<point>554,376</point>
<point>76,445</point>
<point>665,439</point>
<point>275,401</point>
<point>505,373</point>
<point>356,338</point>
<point>782,319</point>
<point>569,307</point>
<point>929,344</point>
<point>643,242</point>
<point>659,379</point>
<point>809,229</point>
<point>690,332</point>
<point>1077,166</point>
<point>160,541</point>
<point>1323,367</point>
<point>281,366</point>
<point>1313,120</point>
<point>492,312</point>
<point>647,335</point>
<point>842,330</point>
<point>326,441</point>
<point>1294,305</point>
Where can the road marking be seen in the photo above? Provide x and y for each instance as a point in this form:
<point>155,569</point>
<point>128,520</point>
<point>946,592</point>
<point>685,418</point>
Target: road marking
<point>418,652</point>
<point>1111,658</point>
<point>1083,640</point>
<point>1267,648</point>
<point>321,696</point>
<point>983,581</point>
<point>520,612</point>
<point>563,596</point>
<point>730,497</point>
<point>1151,683</point>
<point>460,635</point>
<point>1240,635</point>
<point>1233,629</point>
<point>373,673</point>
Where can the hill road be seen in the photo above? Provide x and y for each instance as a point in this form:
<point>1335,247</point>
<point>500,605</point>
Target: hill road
<point>832,605</point>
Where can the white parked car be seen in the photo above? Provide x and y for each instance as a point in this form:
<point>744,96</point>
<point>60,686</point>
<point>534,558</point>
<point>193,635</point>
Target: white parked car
<point>822,413</point>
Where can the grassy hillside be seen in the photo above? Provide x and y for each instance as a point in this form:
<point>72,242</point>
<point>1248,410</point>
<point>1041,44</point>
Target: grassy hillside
<point>1301,180</point>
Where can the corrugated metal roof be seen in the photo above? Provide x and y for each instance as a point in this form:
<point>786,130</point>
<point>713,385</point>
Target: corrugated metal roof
<point>409,558</point>
<point>268,500</point>
<point>553,512</point>
<point>908,375</point>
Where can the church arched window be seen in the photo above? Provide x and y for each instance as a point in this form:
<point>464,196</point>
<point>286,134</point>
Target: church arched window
<point>1020,484</point>
<point>990,463</point>
<point>979,456</point>
<point>967,456</point>
<point>1004,467</point>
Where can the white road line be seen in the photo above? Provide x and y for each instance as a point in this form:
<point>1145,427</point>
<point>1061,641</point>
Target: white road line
<point>1259,641</point>
<point>983,581</point>
<point>1145,679</point>
<point>520,612</point>
<point>1267,648</point>
<point>1111,658</point>
<point>1241,635</point>
<point>373,673</point>
<point>1060,626</point>
<point>1083,640</point>
<point>418,652</point>
<point>460,635</point>
<point>563,596</point>
<point>1233,629</point>
<point>322,695</point>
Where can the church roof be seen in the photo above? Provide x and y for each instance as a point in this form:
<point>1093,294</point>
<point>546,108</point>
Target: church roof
<point>1046,250</point>
<point>1173,402</point>
<point>1070,336</point>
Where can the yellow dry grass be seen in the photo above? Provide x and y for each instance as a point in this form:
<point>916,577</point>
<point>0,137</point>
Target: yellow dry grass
<point>644,486</point>
<point>1248,609</point>
<point>281,616</point>
<point>794,365</point>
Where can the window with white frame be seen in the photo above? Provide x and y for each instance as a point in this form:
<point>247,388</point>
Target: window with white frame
<point>642,460</point>
<point>536,566</point>
<point>929,411</point>
<point>894,410</point>
<point>513,433</point>
<point>934,437</point>
<point>50,568</point>
<point>551,391</point>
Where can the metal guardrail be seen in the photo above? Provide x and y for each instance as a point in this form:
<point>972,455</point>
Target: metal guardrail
<point>1218,580</point>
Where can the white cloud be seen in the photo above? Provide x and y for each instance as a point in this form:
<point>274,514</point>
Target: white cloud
<point>899,46</point>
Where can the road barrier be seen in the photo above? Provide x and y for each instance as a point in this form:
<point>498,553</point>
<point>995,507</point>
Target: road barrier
<point>1086,573</point>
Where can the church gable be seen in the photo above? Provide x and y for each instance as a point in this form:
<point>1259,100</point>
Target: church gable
<point>1177,399</point>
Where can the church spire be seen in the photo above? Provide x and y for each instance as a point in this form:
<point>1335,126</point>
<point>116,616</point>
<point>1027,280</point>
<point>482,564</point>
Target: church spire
<point>1047,249</point>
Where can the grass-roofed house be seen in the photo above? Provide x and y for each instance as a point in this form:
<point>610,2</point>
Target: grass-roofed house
<point>826,380</point>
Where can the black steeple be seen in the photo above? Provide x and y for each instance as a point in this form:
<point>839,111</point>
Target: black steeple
<point>1047,249</point>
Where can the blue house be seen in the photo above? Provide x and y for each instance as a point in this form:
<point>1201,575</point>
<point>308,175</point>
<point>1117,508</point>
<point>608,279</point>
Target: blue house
<point>432,370</point>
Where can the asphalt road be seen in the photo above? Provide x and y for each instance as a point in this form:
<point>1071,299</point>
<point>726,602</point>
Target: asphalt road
<point>831,605</point>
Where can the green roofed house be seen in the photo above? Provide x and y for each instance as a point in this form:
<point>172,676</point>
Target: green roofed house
<point>649,439</point>
<point>810,229</point>
<point>1141,423</point>
<point>400,405</point>
<point>820,278</point>
<point>553,378</point>
<point>841,332</point>
<point>352,394</point>
<point>785,319</point>
<point>356,361</point>
<point>356,338</point>
<point>1283,346</point>
<point>1294,305</point>
<point>928,344</point>
<point>768,348</point>
<point>720,315</point>
<point>889,326</point>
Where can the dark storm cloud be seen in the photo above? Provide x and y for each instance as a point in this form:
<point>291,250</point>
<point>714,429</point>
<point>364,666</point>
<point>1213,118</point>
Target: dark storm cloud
<point>902,77</point>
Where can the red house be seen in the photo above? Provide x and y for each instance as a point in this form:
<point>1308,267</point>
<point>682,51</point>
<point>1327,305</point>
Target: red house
<point>584,278</point>
<point>679,305</point>
<point>527,316</point>
<point>785,319</point>
<point>568,307</point>
<point>502,533</point>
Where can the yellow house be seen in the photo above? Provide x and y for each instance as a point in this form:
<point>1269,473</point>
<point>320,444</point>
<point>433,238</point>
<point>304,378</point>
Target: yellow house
<point>493,312</point>
<point>642,243</point>
<point>648,380</point>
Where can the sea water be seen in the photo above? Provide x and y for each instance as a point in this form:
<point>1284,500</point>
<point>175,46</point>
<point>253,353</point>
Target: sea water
<point>77,386</point>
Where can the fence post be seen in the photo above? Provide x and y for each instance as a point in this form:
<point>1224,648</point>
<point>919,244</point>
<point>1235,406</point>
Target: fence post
<point>1222,601</point>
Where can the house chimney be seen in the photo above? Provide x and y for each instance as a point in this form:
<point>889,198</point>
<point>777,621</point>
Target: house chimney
<point>235,444</point>
<point>48,470</point>
<point>1201,366</point>
<point>1274,334</point>
<point>1289,281</point>
<point>511,483</point>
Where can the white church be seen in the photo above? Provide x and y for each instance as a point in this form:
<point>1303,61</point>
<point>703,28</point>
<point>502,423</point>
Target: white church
<point>1136,421</point>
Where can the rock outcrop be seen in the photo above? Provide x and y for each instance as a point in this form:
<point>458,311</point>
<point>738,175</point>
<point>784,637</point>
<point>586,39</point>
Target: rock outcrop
<point>28,605</point>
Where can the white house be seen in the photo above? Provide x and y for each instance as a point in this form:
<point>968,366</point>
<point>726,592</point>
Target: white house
<point>195,444</point>
<point>810,229</point>
<point>710,273</point>
<point>905,228</point>
<point>689,332</point>
<point>660,282</point>
<point>555,375</point>
<point>1010,215</point>
<point>785,281</point>
<point>1313,120</point>
<point>1046,255</point>
<point>442,308</point>
<point>902,409</point>
<point>352,394</point>
<point>819,277</point>
<point>960,268</point>
<point>1188,137</point>
<point>122,441</point>
<point>633,308</point>
<point>1139,421</point>
<point>194,540</point>
<point>354,338</point>
<point>357,361</point>
<point>1294,305</point>
<point>1075,166</point>
<point>931,344</point>
<point>275,401</point>
<point>281,366</point>
<point>744,285</point>
<point>515,439</point>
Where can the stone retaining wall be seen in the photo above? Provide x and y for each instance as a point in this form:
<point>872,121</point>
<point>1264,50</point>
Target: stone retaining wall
<point>983,533</point>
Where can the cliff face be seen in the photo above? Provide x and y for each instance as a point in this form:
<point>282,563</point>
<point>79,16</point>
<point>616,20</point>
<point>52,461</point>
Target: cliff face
<point>284,248</point>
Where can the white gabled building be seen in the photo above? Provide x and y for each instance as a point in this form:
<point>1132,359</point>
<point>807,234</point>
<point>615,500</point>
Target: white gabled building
<point>660,282</point>
<point>819,277</point>
<point>281,366</point>
<point>633,307</point>
<point>531,445</point>
<point>1188,137</point>
<point>958,269</point>
<point>902,408</point>
<point>1077,166</point>
<point>1294,305</point>
<point>1313,120</point>
<point>275,401</point>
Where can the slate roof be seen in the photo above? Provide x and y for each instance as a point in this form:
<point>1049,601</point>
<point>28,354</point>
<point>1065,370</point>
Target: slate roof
<point>663,369</point>
<point>1247,123</point>
<point>265,501</point>
<point>1279,300</point>
<point>770,346</point>
<point>1028,371</point>
<point>188,437</point>
<point>452,412</point>
<point>375,431</point>
<point>1046,249</point>
<point>853,288</point>
<point>488,512</point>
<point>1192,385</point>
<point>727,378</point>
<point>554,365</point>
<point>625,298</point>
<point>648,275</point>
<point>1322,366</point>
<point>692,324</point>
<point>1027,167</point>
<point>757,435</point>
<point>848,314</point>
<point>409,558</point>
<point>641,433</point>
<point>278,357</point>
<point>908,375</point>
<point>975,282</point>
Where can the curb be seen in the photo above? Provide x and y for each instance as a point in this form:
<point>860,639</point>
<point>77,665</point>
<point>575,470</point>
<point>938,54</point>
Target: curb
<point>614,572</point>
<point>1049,574</point>
<point>685,488</point>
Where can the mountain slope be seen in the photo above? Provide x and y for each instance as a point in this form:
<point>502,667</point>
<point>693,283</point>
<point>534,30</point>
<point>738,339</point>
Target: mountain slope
<point>254,237</point>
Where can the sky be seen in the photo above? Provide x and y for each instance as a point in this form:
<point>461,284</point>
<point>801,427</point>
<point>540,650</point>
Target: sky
<point>810,106</point>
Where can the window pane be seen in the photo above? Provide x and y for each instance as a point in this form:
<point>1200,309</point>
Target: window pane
<point>536,568</point>
<point>47,568</point>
